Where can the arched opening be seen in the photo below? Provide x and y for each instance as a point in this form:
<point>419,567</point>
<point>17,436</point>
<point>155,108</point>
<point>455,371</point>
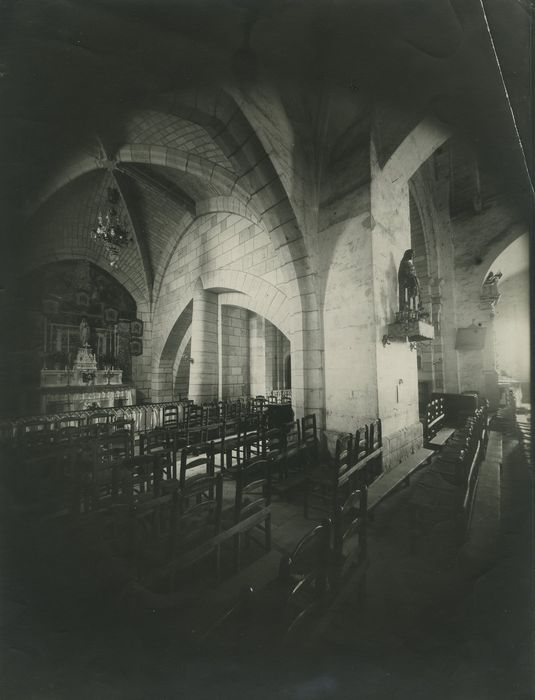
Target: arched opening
<point>57,300</point>
<point>253,354</point>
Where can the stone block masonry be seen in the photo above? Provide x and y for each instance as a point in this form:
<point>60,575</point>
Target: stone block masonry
<point>234,352</point>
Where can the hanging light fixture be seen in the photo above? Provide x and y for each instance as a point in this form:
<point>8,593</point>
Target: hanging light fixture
<point>111,229</point>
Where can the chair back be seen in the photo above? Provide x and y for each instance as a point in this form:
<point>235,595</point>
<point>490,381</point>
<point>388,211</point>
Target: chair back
<point>98,418</point>
<point>171,416</point>
<point>273,442</point>
<point>309,431</point>
<point>342,456</point>
<point>191,459</point>
<point>350,520</point>
<point>146,474</point>
<point>375,435</point>
<point>292,434</point>
<point>305,572</point>
<point>253,487</point>
<point>200,519</point>
<point>361,444</point>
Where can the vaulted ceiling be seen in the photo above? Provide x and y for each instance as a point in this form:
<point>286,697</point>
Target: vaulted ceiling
<point>91,86</point>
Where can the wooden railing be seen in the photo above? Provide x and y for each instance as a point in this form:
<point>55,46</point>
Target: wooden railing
<point>145,416</point>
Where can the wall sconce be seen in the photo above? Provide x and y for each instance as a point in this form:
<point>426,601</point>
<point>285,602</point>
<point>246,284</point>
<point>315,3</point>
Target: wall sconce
<point>191,360</point>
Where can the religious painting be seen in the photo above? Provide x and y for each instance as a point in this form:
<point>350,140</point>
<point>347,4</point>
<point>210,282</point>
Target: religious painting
<point>82,298</point>
<point>136,327</point>
<point>136,347</point>
<point>110,315</point>
<point>123,326</point>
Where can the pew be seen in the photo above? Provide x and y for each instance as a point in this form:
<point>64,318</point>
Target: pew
<point>435,431</point>
<point>389,481</point>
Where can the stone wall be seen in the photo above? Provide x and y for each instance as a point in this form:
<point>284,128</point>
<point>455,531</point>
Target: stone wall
<point>234,352</point>
<point>512,327</point>
<point>237,248</point>
<point>277,349</point>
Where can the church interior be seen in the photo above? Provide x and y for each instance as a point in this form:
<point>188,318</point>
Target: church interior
<point>265,401</point>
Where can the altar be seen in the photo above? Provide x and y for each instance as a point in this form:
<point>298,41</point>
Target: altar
<point>83,386</point>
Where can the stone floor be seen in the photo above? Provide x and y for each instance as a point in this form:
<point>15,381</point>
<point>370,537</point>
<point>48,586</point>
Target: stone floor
<point>430,627</point>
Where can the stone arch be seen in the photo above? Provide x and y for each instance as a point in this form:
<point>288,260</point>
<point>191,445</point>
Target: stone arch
<point>238,289</point>
<point>214,205</point>
<point>257,295</point>
<point>228,126</point>
<point>180,358</point>
<point>428,135</point>
<point>256,176</point>
<point>81,253</point>
<point>498,245</point>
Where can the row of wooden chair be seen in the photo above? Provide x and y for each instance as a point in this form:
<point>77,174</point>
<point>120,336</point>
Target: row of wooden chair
<point>162,528</point>
<point>450,484</point>
<point>357,461</point>
<point>331,556</point>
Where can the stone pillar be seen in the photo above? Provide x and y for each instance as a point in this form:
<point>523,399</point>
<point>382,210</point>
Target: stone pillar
<point>348,319</point>
<point>257,355</point>
<point>397,373</point>
<point>270,349</point>
<point>204,371</point>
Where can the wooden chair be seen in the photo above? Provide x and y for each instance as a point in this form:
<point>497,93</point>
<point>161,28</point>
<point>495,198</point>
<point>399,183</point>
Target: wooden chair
<point>375,448</point>
<point>309,439</point>
<point>195,535</point>
<point>252,504</point>
<point>35,434</point>
<point>107,451</point>
<point>200,460</point>
<point>294,454</point>
<point>159,443</point>
<point>171,417</point>
<point>272,445</point>
<point>325,484</point>
<point>238,450</point>
<point>305,574</point>
<point>98,424</point>
<point>349,536</point>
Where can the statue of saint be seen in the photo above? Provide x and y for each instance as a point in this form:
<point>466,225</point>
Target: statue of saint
<point>409,287</point>
<point>84,333</point>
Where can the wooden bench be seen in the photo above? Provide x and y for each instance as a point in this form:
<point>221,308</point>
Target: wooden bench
<point>434,430</point>
<point>440,438</point>
<point>387,482</point>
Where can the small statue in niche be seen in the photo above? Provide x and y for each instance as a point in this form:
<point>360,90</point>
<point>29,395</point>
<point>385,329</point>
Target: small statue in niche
<point>409,286</point>
<point>84,333</point>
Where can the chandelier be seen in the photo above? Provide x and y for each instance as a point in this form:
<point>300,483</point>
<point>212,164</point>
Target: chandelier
<point>111,229</point>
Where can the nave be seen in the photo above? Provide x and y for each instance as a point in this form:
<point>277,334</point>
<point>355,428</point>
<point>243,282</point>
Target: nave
<point>407,600</point>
